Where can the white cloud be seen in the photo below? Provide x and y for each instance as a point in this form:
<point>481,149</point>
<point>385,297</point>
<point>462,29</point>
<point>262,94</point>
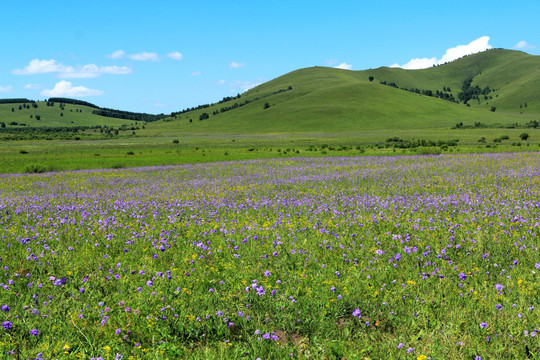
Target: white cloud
<point>118,54</point>
<point>4,89</point>
<point>344,66</point>
<point>237,65</point>
<point>195,73</point>
<point>175,55</point>
<point>221,82</point>
<point>523,45</point>
<point>38,66</point>
<point>144,56</point>
<point>418,63</point>
<point>33,86</point>
<point>65,88</point>
<point>330,62</point>
<point>92,71</point>
<point>478,45</point>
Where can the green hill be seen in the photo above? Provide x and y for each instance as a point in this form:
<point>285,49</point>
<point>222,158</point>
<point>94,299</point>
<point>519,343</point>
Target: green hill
<point>327,100</point>
<point>38,114</point>
<point>63,118</point>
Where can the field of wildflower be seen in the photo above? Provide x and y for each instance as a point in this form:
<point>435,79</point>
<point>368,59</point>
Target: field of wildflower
<point>406,257</point>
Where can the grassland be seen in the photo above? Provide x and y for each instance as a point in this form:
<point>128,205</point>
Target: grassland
<point>360,258</point>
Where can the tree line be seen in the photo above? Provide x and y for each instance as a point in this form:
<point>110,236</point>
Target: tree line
<point>444,94</point>
<point>127,115</point>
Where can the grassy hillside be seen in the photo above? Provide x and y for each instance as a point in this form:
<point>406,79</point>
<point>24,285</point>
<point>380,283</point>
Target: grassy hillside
<point>327,100</point>
<point>515,75</point>
<point>53,116</point>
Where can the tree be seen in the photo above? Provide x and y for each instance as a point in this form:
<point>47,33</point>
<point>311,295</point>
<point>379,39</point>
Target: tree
<point>524,136</point>
<point>204,116</point>
<point>266,105</point>
<point>371,78</point>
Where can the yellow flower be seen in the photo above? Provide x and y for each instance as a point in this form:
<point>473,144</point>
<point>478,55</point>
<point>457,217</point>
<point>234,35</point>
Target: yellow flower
<point>421,357</point>
<point>66,347</point>
<point>107,348</point>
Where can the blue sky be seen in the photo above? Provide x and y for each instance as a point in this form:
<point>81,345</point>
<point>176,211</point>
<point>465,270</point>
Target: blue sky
<point>163,56</point>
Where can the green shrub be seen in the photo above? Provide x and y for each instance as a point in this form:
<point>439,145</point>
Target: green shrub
<point>36,169</point>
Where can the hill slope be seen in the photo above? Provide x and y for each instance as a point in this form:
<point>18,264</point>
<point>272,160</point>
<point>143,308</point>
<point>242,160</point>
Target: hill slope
<point>323,100</point>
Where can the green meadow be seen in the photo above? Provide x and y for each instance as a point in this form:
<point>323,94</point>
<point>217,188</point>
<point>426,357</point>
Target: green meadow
<point>395,257</point>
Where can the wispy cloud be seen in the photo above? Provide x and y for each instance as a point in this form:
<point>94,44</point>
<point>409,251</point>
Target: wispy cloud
<point>195,73</point>
<point>5,89</point>
<point>65,88</point>
<point>523,45</point>
<point>92,71</point>
<point>33,86</point>
<point>38,66</point>
<point>240,85</point>
<point>244,85</point>
<point>175,55</point>
<point>478,45</point>
<point>144,56</point>
<point>344,66</point>
<point>237,65</point>
<point>118,54</point>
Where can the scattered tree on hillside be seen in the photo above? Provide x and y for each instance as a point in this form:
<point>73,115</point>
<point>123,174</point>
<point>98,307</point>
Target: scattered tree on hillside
<point>469,92</point>
<point>204,116</point>
<point>371,78</point>
<point>524,136</point>
<point>266,105</point>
